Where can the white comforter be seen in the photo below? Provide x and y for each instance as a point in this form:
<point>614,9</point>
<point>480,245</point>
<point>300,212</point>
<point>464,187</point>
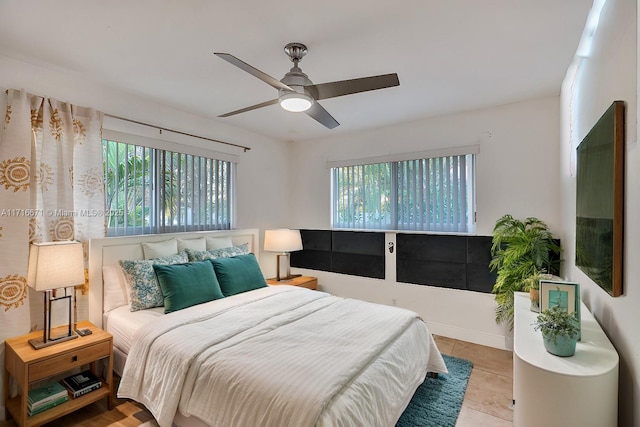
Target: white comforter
<point>277,356</point>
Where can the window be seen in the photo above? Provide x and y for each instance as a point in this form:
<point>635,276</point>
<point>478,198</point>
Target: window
<point>428,194</point>
<point>150,190</point>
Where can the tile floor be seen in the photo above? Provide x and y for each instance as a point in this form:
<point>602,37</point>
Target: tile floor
<point>490,390</point>
<point>486,403</point>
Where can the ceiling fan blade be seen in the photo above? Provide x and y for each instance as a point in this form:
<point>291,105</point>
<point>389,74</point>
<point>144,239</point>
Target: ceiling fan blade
<point>348,87</point>
<point>253,107</point>
<point>318,113</point>
<point>253,71</point>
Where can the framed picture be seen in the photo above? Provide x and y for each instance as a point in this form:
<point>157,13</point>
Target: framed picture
<point>564,294</point>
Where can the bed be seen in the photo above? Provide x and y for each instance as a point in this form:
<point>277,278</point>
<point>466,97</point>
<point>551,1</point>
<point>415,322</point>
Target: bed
<point>268,356</point>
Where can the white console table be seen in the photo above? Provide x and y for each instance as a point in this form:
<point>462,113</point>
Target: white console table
<point>550,391</point>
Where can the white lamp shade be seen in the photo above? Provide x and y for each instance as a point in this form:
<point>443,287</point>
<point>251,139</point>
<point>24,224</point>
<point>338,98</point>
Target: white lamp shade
<point>55,265</point>
<point>282,240</point>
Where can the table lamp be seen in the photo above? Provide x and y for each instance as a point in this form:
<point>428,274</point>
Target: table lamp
<point>52,266</point>
<point>283,241</point>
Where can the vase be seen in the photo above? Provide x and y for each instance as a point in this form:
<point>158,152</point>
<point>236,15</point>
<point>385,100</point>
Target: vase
<point>563,345</point>
<point>534,296</point>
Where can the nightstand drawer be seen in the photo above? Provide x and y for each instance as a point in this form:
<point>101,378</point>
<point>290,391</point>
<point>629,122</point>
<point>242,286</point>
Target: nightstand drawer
<point>309,284</point>
<point>68,360</point>
<point>300,281</point>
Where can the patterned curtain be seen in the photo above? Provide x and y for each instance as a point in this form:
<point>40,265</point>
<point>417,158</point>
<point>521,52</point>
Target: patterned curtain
<point>51,188</point>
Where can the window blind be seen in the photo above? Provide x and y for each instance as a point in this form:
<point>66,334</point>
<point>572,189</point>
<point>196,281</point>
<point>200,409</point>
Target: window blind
<point>430,194</point>
<point>150,190</point>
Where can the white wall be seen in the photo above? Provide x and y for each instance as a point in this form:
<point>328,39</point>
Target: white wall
<point>609,73</point>
<point>517,173</point>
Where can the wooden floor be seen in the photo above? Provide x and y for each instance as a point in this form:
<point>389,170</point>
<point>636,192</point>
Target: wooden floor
<point>486,402</point>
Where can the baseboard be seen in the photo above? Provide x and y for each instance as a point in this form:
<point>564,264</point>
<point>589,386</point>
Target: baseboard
<point>476,337</point>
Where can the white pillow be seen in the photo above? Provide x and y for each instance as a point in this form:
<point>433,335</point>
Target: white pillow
<point>115,289</point>
<point>219,242</point>
<point>199,244</point>
<point>160,249</point>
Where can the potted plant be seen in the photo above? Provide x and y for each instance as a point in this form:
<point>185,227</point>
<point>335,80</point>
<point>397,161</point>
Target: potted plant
<point>520,250</point>
<point>532,285</point>
<point>559,331</point>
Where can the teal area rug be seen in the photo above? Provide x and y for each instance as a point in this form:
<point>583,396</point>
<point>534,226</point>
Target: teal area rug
<point>437,401</point>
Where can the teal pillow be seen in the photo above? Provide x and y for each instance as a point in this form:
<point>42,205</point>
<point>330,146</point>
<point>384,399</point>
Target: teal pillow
<point>238,274</point>
<point>184,285</point>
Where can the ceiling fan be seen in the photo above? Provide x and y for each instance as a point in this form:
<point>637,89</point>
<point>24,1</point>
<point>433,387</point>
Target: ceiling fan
<point>298,94</point>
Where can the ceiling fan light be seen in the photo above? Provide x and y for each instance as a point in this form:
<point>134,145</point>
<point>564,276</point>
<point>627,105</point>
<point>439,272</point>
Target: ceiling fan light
<point>296,102</point>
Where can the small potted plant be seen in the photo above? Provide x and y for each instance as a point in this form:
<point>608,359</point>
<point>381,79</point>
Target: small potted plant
<point>559,331</point>
<point>532,285</point>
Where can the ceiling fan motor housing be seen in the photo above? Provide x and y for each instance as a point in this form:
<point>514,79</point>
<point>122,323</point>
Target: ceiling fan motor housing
<point>296,80</point>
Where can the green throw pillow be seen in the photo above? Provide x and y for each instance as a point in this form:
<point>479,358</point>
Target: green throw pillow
<point>238,274</point>
<point>184,285</point>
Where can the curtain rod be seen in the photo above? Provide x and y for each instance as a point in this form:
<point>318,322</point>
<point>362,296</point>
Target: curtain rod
<point>179,132</point>
<point>244,148</point>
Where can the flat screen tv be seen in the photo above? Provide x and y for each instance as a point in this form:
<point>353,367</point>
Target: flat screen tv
<point>600,200</point>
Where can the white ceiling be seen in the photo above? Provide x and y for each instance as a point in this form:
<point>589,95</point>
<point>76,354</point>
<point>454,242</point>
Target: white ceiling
<point>450,55</point>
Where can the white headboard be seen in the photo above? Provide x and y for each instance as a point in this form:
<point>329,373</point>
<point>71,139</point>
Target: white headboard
<point>108,250</point>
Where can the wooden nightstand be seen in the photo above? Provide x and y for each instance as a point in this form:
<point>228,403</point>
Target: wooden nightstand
<point>29,366</point>
<point>302,281</point>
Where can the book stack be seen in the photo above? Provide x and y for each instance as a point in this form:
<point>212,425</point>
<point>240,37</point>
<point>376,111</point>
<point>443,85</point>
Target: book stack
<point>46,397</point>
<point>82,383</point>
